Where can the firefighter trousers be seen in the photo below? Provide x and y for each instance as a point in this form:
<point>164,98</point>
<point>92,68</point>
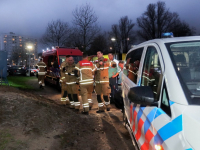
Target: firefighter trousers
<point>41,80</point>
<point>105,90</point>
<point>64,97</point>
<point>72,90</point>
<point>86,94</point>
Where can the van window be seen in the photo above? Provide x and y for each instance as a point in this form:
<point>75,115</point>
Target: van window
<point>165,105</point>
<point>151,73</point>
<point>131,66</point>
<point>50,60</point>
<point>185,57</point>
<point>76,59</point>
<point>55,63</point>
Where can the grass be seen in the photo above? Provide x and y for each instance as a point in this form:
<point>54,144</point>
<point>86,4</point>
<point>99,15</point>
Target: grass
<point>19,81</point>
<point>7,141</point>
<point>5,138</point>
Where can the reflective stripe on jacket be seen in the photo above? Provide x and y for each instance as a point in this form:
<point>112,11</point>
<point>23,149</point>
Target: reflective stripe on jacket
<point>101,74</point>
<point>41,66</point>
<point>62,73</point>
<point>70,77</point>
<point>85,71</point>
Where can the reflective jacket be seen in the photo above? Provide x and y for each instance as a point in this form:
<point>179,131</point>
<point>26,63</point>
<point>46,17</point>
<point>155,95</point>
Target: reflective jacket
<point>70,77</point>
<point>42,68</point>
<point>101,73</point>
<point>62,73</point>
<point>85,71</point>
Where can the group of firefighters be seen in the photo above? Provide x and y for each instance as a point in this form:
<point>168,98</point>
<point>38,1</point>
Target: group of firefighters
<point>81,78</point>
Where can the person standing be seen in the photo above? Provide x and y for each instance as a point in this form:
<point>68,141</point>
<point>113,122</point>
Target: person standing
<point>72,83</point>
<point>102,82</point>
<point>84,69</point>
<point>64,98</point>
<point>41,73</point>
<point>113,74</point>
<point>121,66</point>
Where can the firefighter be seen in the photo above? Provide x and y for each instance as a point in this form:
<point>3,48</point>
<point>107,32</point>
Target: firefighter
<point>102,82</point>
<point>85,70</point>
<point>71,82</point>
<point>64,97</point>
<point>41,73</point>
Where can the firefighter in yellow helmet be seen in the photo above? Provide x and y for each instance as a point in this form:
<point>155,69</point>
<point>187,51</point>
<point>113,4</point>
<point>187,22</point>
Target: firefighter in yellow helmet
<point>41,73</point>
<point>64,98</point>
<point>85,70</point>
<point>71,82</point>
<point>102,82</point>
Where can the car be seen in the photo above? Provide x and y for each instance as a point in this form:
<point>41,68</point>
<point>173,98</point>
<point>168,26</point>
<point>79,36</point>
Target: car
<point>16,70</point>
<point>161,93</point>
<point>33,71</point>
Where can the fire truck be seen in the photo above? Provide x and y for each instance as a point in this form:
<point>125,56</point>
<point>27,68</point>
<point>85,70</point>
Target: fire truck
<point>53,59</point>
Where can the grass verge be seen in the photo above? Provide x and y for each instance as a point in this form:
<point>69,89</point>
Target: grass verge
<point>20,82</point>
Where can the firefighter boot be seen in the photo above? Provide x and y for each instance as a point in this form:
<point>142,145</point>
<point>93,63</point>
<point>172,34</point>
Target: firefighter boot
<point>76,102</point>
<point>90,103</point>
<point>67,101</point>
<point>100,104</point>
<point>63,101</point>
<point>86,109</point>
<point>107,102</point>
<point>71,101</point>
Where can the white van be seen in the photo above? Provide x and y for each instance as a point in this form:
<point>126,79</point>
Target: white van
<point>161,94</point>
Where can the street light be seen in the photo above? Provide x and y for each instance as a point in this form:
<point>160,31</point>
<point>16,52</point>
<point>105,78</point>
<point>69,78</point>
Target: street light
<point>113,39</point>
<point>29,49</point>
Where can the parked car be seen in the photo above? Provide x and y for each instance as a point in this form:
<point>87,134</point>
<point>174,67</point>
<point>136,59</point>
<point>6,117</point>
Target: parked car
<point>33,71</point>
<point>161,93</point>
<point>16,70</point>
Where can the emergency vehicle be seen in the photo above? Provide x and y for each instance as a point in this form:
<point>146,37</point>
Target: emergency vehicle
<point>161,94</point>
<point>53,58</point>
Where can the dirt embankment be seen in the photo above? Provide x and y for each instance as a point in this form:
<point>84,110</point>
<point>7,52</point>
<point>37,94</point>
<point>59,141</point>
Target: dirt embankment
<point>29,121</point>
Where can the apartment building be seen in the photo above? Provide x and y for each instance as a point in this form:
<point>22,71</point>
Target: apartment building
<point>17,49</point>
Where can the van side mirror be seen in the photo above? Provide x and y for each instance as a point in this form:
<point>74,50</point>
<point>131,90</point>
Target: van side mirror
<point>141,95</point>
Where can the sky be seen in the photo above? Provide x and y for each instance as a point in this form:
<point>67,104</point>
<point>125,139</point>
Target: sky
<point>31,17</point>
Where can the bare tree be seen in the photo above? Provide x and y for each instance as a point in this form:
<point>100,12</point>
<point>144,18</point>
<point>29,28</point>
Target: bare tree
<point>182,29</point>
<point>86,28</point>
<point>156,20</point>
<point>56,33</point>
<point>99,44</point>
<point>123,34</point>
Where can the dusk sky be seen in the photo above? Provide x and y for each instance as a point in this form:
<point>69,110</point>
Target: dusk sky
<point>30,17</point>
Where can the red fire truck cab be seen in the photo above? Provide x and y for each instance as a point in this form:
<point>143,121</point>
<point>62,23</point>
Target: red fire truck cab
<point>53,58</point>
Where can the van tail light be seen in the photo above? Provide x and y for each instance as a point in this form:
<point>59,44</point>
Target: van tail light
<point>158,147</point>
